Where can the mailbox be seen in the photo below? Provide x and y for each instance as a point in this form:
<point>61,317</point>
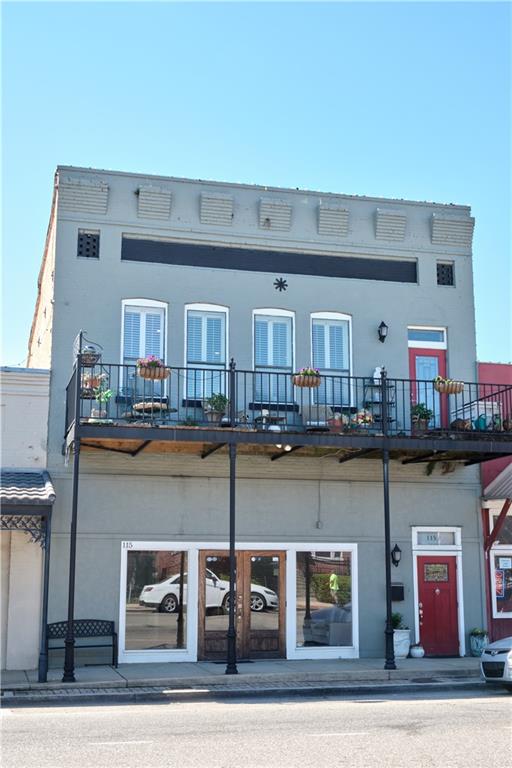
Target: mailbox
<point>397,592</point>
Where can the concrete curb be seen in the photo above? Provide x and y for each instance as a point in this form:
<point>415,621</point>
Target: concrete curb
<point>209,681</point>
<point>139,693</point>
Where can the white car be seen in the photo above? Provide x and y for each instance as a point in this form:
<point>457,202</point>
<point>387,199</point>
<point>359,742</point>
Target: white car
<point>165,596</point>
<point>496,663</point>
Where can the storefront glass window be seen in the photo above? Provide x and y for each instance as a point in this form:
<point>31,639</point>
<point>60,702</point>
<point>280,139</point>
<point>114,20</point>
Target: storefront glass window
<point>503,582</point>
<point>156,600</point>
<point>505,534</point>
<point>324,599</point>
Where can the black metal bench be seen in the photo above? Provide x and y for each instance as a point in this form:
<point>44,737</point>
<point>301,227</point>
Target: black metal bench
<point>84,628</point>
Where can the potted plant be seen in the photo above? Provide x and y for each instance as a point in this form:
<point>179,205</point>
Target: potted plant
<point>362,419</point>
<point>417,651</point>
<point>215,407</point>
<point>151,367</point>
<point>102,395</point>
<point>401,636</point>
<point>420,417</point>
<point>307,377</point>
<point>91,381</point>
<point>478,639</point>
<point>448,386</point>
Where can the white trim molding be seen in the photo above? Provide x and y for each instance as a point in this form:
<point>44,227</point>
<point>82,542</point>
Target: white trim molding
<point>427,344</point>
<point>193,549</point>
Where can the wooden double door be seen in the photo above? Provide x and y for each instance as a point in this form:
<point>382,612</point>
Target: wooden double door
<point>259,604</point>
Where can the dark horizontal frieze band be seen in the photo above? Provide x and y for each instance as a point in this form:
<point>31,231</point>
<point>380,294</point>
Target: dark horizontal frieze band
<point>252,260</point>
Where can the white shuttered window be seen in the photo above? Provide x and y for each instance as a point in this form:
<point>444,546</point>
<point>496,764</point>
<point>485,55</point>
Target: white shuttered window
<point>143,334</point>
<point>273,355</point>
<point>205,353</point>
<point>330,340</point>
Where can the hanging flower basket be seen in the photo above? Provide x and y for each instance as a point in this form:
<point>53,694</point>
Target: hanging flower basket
<point>448,386</point>
<point>307,377</point>
<point>148,372</point>
<point>152,367</point>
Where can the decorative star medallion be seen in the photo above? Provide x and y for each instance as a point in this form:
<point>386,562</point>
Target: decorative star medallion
<point>280,284</point>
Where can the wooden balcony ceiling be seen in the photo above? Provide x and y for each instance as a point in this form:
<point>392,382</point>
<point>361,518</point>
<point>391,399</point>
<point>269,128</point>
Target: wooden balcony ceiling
<point>345,453</point>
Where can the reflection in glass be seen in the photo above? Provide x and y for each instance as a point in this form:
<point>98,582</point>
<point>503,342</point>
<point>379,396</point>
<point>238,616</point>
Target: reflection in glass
<point>156,600</point>
<point>264,592</point>
<point>324,599</point>
<point>217,596</point>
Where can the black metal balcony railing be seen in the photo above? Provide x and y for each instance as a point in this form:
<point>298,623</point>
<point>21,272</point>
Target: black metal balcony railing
<point>268,400</point>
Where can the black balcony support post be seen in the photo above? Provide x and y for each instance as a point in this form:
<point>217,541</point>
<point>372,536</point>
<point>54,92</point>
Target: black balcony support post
<point>42,672</point>
<point>231,668</point>
<point>69,654</point>
<point>390,652</point>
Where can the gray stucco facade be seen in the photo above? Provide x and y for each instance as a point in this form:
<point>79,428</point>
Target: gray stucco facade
<point>179,497</point>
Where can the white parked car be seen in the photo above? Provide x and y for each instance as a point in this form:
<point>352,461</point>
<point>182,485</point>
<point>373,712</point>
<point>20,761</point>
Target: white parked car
<point>165,595</point>
<point>496,663</point>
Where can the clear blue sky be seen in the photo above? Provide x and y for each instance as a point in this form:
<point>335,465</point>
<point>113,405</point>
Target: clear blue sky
<point>399,100</point>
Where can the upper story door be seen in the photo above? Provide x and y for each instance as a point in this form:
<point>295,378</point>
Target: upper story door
<point>427,359</point>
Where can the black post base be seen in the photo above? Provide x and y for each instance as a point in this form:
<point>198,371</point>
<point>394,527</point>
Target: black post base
<point>42,671</point>
<point>69,662</point>
<point>231,668</point>
<point>390,650</point>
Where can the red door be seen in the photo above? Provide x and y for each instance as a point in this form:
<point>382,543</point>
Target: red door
<point>437,605</point>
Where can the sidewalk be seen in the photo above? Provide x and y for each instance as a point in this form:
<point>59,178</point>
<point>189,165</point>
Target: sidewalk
<point>203,679</point>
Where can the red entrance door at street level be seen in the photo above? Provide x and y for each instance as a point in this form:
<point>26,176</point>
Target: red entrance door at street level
<point>437,605</point>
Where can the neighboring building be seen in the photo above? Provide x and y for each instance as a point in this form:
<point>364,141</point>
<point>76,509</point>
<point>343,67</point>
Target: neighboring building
<point>497,518</point>
<point>199,273</point>
<point>26,496</point>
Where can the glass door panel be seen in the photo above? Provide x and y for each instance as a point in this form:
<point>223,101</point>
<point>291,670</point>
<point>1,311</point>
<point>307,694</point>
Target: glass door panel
<point>264,598</point>
<point>214,597</point>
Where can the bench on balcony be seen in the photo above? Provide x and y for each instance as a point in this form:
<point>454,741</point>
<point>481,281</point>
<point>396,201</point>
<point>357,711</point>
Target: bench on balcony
<point>84,629</point>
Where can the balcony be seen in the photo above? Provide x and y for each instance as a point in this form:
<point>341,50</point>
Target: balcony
<point>266,407</point>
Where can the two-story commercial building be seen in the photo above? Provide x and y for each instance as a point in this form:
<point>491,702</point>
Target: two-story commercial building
<point>313,479</point>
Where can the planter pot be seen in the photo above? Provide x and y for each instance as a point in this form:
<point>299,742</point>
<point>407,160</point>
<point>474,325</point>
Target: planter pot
<point>417,652</point>
<point>214,417</point>
<point>303,380</point>
<point>477,643</point>
<point>96,413</point>
<point>401,642</point>
<point>153,372</point>
<point>92,382</point>
<point>449,387</point>
<point>419,426</point>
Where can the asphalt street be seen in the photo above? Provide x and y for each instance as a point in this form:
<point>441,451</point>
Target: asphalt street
<point>445,730</point>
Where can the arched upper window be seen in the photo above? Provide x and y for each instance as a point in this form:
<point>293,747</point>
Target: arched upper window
<point>144,330</point>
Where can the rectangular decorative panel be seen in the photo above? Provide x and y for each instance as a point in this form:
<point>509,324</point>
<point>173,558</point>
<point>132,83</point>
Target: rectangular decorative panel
<point>217,209</point>
<point>154,203</point>
<point>435,572</point>
<point>390,225</point>
<point>332,220</point>
<point>450,230</point>
<point>83,195</point>
<point>275,214</point>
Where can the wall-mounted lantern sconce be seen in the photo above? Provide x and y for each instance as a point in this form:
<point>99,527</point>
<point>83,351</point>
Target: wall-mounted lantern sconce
<point>382,331</point>
<point>396,555</point>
